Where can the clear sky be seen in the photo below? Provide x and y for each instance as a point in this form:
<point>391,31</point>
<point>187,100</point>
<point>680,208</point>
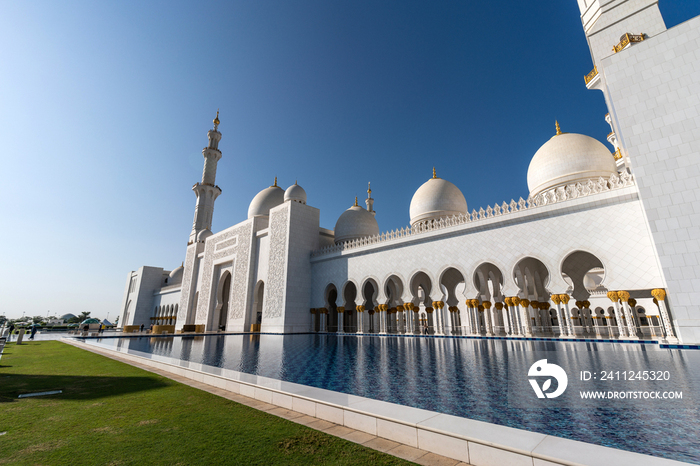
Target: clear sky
<point>104,109</point>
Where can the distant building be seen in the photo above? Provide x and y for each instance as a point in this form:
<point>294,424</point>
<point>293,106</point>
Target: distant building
<point>605,244</point>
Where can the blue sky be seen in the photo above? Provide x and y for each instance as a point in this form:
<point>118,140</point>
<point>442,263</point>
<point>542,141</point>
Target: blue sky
<point>105,106</point>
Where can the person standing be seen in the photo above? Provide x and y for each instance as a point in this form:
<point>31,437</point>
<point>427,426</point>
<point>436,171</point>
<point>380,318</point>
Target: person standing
<point>34,327</point>
<point>12,329</point>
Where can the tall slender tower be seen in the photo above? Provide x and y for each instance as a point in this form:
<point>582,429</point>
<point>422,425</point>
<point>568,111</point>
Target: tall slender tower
<point>207,191</point>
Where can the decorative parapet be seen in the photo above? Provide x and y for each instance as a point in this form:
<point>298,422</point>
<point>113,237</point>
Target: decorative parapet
<point>626,40</point>
<point>589,77</point>
<point>554,196</point>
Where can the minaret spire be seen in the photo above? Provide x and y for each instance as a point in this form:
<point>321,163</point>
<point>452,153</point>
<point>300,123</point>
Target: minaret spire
<point>369,201</point>
<point>207,191</point>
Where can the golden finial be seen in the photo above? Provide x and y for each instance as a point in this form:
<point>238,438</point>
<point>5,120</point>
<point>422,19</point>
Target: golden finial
<point>295,181</point>
<point>355,201</point>
<point>275,185</point>
<point>216,120</point>
<point>434,174</point>
<point>369,190</point>
<point>556,124</point>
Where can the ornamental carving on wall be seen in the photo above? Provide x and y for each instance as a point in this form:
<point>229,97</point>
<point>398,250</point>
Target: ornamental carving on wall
<point>274,289</point>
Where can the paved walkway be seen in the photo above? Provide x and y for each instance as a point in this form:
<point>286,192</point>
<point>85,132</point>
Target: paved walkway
<point>377,443</point>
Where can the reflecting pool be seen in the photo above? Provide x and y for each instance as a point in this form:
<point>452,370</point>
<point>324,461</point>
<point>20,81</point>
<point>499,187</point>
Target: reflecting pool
<point>480,379</point>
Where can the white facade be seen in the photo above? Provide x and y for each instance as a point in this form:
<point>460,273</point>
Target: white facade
<point>601,248</point>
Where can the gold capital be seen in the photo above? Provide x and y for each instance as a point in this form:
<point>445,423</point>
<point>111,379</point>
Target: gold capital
<point>499,306</point>
<point>555,299</point>
<point>524,302</point>
<point>659,294</point>
<point>623,295</point>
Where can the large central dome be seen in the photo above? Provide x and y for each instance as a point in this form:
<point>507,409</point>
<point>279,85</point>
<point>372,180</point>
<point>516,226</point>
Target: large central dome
<point>436,198</point>
<point>568,158</point>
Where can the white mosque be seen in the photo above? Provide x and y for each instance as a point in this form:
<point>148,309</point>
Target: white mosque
<point>604,246</point>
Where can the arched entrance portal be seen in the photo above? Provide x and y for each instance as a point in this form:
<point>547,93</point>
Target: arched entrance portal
<point>532,277</point>
<point>258,298</point>
<point>349,322</point>
<point>222,299</point>
<point>331,325</point>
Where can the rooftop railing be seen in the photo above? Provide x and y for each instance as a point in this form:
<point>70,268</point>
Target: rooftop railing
<point>560,194</point>
<point>589,77</point>
<point>626,40</point>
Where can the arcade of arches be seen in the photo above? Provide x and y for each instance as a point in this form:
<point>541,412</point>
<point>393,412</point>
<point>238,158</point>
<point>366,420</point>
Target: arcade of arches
<point>585,310</point>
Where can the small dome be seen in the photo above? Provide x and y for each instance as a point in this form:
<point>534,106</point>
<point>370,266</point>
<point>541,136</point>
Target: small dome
<point>202,235</point>
<point>568,158</point>
<point>175,276</point>
<point>266,200</point>
<point>295,193</point>
<point>91,320</point>
<point>435,199</point>
<point>67,317</point>
<point>355,223</point>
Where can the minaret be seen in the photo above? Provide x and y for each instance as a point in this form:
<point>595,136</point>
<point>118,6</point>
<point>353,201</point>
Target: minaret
<point>369,201</point>
<point>207,191</point>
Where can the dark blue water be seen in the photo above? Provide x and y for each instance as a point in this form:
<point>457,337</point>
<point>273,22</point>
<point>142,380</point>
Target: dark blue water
<point>486,380</point>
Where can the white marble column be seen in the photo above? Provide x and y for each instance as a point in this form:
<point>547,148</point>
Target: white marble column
<point>525,316</point>
<point>659,295</point>
<point>487,317</point>
<point>341,315</point>
<point>360,319</point>
<point>631,327</point>
<point>381,312</point>
<point>561,317</point>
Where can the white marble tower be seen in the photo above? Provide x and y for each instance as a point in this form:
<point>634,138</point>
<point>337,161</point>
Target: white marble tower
<point>207,191</point>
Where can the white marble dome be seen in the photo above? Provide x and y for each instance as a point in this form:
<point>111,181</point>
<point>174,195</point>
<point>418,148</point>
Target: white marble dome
<point>435,199</point>
<point>295,193</point>
<point>568,158</point>
<point>175,276</point>
<point>355,223</point>
<point>202,235</point>
<point>266,200</point>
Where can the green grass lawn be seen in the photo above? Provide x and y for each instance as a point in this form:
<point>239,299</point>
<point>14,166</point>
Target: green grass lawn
<point>112,413</point>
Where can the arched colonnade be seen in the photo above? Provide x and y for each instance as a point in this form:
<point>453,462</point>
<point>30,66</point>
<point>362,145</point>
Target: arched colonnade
<point>165,315</point>
<point>450,305</point>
